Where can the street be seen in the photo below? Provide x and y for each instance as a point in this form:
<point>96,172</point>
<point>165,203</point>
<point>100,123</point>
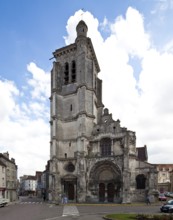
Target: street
<point>36,209</point>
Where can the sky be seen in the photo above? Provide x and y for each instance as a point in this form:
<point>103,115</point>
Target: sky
<point>133,41</point>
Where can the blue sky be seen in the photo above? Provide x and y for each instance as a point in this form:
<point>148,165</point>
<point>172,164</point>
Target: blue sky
<point>31,30</point>
<point>137,37</point>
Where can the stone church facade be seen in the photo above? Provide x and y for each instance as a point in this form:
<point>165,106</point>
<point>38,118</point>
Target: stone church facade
<point>92,158</point>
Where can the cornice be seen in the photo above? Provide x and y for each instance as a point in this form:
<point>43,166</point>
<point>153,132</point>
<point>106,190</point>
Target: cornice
<point>64,50</point>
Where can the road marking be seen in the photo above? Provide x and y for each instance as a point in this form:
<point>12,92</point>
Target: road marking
<point>70,210</point>
<point>32,203</point>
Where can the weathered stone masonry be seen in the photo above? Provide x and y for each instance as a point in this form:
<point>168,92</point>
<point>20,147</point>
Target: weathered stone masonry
<point>92,158</point>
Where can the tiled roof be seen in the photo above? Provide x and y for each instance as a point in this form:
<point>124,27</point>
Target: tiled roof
<point>164,167</point>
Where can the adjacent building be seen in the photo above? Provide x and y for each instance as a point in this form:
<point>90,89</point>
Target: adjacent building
<point>9,177</point>
<point>2,180</point>
<point>28,185</point>
<point>39,185</point>
<point>171,181</point>
<point>165,181</point>
<point>45,182</point>
<point>92,158</point>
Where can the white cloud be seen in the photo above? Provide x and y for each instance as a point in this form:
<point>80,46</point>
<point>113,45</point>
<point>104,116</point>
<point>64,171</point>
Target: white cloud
<point>130,33</point>
<point>40,82</point>
<point>169,47</point>
<point>27,141</point>
<point>24,127</point>
<point>144,106</point>
<point>8,93</point>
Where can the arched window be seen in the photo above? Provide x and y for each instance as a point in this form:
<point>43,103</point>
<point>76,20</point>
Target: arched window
<point>66,73</point>
<point>140,181</point>
<point>73,72</point>
<point>105,147</point>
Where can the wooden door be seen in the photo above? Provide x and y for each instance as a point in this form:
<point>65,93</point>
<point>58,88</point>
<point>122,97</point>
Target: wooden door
<point>101,192</point>
<point>110,192</point>
<point>70,191</point>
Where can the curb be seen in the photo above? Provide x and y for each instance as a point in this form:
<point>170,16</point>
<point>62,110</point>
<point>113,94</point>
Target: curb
<point>104,217</point>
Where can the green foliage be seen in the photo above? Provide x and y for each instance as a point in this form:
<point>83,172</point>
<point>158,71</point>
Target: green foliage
<point>139,217</point>
<point>154,217</point>
<point>122,216</point>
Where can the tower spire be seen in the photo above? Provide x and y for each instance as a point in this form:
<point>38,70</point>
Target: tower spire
<point>82,29</point>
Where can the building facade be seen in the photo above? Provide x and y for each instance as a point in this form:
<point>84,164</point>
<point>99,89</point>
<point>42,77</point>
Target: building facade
<point>2,180</point>
<point>38,175</point>
<point>28,185</point>
<point>171,181</point>
<point>92,158</point>
<point>165,181</point>
<point>11,176</point>
<point>45,182</point>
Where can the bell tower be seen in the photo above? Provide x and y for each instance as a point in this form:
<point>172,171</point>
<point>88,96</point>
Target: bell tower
<point>76,105</point>
<point>92,158</point>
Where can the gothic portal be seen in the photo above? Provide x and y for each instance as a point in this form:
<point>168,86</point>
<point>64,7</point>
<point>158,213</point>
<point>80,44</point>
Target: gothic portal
<point>92,158</point>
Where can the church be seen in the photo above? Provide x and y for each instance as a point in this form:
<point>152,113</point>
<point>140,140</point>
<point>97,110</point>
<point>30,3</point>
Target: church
<point>92,158</point>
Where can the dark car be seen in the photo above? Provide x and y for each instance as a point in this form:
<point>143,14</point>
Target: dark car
<point>167,207</point>
<point>162,197</point>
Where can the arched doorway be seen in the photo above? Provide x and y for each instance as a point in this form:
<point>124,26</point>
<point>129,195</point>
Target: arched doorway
<point>110,192</point>
<point>105,181</point>
<point>69,183</point>
<point>101,192</point>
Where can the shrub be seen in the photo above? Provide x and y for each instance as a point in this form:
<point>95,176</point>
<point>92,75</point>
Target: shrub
<point>154,217</point>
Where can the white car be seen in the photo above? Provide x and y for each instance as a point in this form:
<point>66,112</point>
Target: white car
<point>3,202</point>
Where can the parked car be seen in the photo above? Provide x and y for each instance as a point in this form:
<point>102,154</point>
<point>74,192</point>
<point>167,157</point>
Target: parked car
<point>3,202</point>
<point>167,207</point>
<point>162,197</point>
<point>167,194</point>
